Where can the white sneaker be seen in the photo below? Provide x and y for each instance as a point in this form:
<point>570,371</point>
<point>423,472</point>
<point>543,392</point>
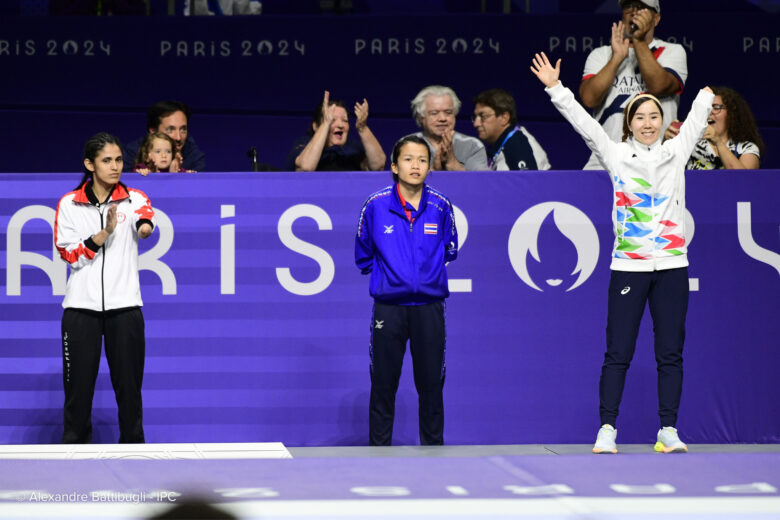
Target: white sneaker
<point>669,441</point>
<point>605,441</point>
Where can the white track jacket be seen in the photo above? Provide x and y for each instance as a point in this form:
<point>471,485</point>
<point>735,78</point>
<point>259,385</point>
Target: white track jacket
<point>649,185</point>
<point>101,278</point>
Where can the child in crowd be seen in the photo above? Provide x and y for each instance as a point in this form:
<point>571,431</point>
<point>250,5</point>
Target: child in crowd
<point>157,155</point>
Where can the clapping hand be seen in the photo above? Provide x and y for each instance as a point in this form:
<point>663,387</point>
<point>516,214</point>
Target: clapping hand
<point>619,42</point>
<point>361,114</point>
<point>328,111</point>
<point>544,70</point>
<point>110,219</point>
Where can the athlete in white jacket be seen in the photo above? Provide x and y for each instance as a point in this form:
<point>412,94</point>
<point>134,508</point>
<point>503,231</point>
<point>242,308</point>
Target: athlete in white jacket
<point>96,230</point>
<point>649,260</point>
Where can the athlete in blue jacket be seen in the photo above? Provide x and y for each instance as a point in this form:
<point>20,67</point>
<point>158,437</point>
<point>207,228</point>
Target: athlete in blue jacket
<point>406,235</point>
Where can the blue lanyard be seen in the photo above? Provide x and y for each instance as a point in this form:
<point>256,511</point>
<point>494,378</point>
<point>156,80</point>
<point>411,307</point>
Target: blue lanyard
<point>493,159</point>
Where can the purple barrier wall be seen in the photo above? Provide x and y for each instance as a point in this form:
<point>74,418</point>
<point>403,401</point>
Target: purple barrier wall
<point>258,321</point>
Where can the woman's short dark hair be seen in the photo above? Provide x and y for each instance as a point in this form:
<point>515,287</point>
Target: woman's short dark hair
<point>317,116</point>
<point>630,111</point>
<point>92,148</point>
<point>404,141</point>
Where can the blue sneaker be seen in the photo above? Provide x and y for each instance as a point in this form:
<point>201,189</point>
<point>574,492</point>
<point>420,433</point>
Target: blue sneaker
<point>669,441</point>
<point>605,441</point>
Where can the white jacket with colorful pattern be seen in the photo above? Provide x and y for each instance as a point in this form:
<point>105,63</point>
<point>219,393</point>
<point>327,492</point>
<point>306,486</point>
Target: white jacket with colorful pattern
<point>649,185</point>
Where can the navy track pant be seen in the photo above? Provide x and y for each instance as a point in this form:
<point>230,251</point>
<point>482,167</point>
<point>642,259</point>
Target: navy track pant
<point>666,292</point>
<point>391,327</point>
<point>82,335</point>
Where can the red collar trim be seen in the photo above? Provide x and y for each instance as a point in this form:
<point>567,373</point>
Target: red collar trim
<point>119,193</point>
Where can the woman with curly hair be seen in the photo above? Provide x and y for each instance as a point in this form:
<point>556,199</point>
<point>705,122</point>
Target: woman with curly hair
<point>731,140</point>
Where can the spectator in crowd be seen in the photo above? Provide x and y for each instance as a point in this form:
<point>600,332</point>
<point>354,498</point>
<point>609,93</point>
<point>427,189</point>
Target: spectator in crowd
<point>171,118</point>
<point>155,155</point>
<point>634,62</point>
<point>327,147</point>
<point>731,141</point>
<point>508,146</point>
<point>435,108</point>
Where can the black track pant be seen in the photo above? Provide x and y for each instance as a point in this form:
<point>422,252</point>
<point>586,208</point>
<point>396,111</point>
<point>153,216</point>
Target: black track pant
<point>391,327</point>
<point>82,335</point>
<point>666,292</point>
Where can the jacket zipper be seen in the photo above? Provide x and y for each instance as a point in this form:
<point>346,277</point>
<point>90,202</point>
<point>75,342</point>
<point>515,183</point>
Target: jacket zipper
<point>103,265</point>
<point>414,261</point>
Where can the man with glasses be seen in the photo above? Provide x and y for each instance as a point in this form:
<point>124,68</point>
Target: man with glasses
<point>634,62</point>
<point>434,109</point>
<point>508,145</point>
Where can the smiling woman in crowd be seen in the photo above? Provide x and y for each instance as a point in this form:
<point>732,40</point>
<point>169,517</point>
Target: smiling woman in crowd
<point>327,146</point>
<point>731,140</point>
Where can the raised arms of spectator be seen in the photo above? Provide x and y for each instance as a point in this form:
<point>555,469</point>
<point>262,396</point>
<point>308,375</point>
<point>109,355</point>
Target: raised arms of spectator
<point>594,89</point>
<point>309,157</point>
<point>375,156</point>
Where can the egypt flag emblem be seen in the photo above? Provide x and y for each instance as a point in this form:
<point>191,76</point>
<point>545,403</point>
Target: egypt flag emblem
<point>430,229</point>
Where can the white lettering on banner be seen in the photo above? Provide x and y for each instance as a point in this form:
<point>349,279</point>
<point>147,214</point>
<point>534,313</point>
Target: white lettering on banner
<point>462,225</point>
<point>150,260</point>
<point>224,48</point>
<point>752,488</point>
<point>55,269</point>
<point>17,48</point>
<point>258,492</point>
<point>764,44</point>
<point>327,266</point>
<point>381,491</point>
<point>161,495</point>
<point>571,222</point>
<point>690,229</point>
<point>746,241</point>
<point>655,489</point>
<point>398,46</point>
<point>55,47</point>
<point>227,252</point>
<point>585,44</point>
<point>550,489</point>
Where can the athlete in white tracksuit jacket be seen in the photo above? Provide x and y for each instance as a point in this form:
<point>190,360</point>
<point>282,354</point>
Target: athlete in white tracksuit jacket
<point>649,257</point>
<point>96,230</point>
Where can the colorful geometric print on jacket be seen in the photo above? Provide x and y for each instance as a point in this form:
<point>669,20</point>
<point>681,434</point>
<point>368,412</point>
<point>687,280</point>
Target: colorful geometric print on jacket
<point>634,217</point>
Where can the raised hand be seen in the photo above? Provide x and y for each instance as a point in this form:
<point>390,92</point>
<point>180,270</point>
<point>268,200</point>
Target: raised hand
<point>544,70</point>
<point>111,219</point>
<point>328,112</point>
<point>361,114</point>
<point>619,42</point>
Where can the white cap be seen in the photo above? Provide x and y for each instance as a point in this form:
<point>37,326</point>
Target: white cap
<point>653,4</point>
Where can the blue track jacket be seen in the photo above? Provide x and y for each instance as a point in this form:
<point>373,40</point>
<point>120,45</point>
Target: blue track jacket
<point>406,259</point>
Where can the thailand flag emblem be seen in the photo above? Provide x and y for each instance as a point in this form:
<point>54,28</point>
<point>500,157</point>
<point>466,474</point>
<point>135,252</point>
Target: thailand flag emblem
<point>429,229</point>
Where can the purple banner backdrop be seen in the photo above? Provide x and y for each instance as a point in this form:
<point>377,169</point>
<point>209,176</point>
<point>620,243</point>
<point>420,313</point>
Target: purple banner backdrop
<point>254,81</point>
<point>257,321</point>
